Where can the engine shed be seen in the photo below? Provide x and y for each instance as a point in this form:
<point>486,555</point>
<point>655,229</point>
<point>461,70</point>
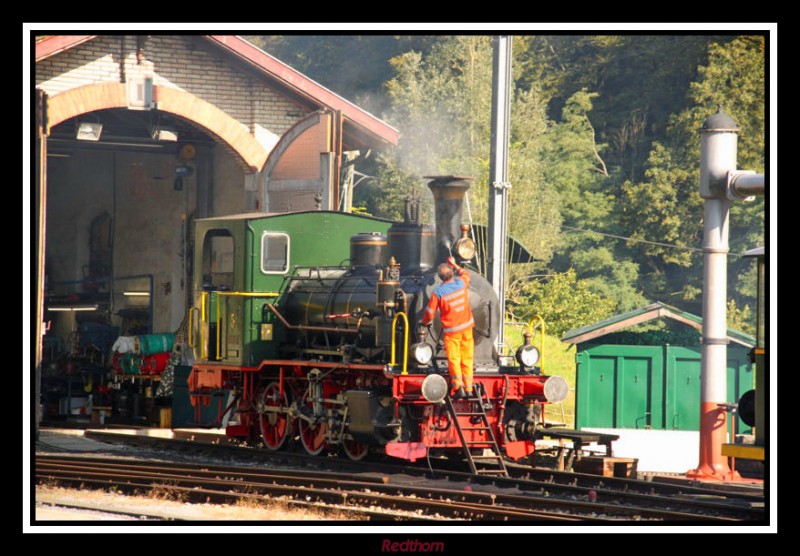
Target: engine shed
<point>136,138</point>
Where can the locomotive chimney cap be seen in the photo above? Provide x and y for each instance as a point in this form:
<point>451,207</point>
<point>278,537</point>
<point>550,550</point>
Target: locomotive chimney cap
<point>449,188</point>
<point>448,178</point>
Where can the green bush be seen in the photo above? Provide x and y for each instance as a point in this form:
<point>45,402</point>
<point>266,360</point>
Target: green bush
<point>563,301</point>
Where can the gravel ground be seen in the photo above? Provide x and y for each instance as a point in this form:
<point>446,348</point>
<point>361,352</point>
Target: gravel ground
<point>47,499</point>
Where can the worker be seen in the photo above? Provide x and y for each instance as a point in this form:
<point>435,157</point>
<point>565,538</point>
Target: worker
<point>451,299</point>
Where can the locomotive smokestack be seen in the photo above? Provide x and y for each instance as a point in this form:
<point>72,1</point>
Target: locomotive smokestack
<point>448,194</point>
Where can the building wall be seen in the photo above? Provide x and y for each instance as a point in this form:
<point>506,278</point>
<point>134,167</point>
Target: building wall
<point>149,223</point>
<point>301,161</point>
<point>188,64</point>
<point>227,199</point>
<point>178,61</point>
<point>136,188</point>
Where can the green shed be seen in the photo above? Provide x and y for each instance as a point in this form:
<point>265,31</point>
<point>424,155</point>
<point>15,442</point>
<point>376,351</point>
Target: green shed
<point>649,380</point>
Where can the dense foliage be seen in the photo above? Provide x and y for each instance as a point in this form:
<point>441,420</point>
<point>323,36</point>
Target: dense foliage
<point>604,153</point>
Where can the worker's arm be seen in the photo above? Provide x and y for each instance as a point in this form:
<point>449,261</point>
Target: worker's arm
<point>430,310</point>
<point>460,272</point>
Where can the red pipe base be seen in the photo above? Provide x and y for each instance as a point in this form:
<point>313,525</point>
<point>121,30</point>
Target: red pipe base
<point>713,465</point>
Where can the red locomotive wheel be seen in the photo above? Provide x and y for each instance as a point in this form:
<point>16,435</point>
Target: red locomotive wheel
<point>355,450</point>
<point>313,436</point>
<point>276,427</point>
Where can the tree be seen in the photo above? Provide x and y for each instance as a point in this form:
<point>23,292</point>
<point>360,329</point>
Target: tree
<point>353,66</point>
<point>640,81</point>
<point>563,301</point>
<point>441,104</point>
<point>576,169</point>
<point>666,205</point>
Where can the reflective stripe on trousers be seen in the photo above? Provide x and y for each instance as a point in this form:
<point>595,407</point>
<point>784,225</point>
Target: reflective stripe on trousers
<point>460,348</point>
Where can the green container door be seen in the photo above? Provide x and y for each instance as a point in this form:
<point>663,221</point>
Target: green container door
<point>683,389</point>
<point>633,411</point>
<point>638,387</point>
<point>684,370</point>
<point>595,393</point>
<point>616,388</point>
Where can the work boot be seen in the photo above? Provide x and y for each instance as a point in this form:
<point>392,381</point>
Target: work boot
<point>460,394</point>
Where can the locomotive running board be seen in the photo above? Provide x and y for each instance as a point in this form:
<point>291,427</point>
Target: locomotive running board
<point>490,465</point>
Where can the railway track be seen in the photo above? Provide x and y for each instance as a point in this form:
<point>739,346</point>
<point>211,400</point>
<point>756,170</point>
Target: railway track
<point>613,494</point>
<point>225,484</point>
<point>382,496</point>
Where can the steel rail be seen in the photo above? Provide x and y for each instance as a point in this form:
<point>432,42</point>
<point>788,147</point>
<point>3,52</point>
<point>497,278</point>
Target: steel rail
<point>447,503</point>
<point>375,490</point>
<point>220,490</point>
<point>199,495</point>
<point>610,490</point>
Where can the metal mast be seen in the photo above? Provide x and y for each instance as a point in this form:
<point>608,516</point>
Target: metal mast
<point>498,175</point>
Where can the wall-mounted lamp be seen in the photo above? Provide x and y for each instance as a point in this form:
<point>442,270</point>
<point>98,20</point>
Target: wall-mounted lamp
<point>136,294</point>
<point>92,307</point>
<point>89,131</point>
<point>161,134</point>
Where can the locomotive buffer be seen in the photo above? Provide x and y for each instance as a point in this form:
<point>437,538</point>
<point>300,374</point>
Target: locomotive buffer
<point>489,464</point>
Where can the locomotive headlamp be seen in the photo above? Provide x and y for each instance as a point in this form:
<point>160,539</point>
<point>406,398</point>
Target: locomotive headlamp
<point>422,353</point>
<point>528,356</point>
<point>465,249</point>
<point>464,246</point>
<point>434,388</point>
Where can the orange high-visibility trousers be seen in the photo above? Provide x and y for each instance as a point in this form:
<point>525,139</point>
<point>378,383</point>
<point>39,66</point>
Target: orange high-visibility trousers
<point>460,348</point>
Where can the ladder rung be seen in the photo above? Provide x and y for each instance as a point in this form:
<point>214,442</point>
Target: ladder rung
<point>494,461</point>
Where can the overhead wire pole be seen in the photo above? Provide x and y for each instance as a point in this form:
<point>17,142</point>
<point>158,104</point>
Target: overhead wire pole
<point>498,175</point>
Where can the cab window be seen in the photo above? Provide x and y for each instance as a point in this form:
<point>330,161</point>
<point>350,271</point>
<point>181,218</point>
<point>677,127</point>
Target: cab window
<point>274,253</point>
<point>218,258</point>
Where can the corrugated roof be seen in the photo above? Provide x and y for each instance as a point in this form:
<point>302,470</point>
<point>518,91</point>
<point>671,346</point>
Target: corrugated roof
<point>361,123</point>
<point>756,252</point>
<point>652,311</point>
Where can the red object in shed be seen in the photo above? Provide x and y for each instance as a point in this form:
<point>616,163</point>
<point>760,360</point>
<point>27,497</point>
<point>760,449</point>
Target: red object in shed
<point>155,364</point>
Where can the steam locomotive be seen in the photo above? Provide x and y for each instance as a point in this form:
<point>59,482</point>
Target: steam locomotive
<point>308,322</point>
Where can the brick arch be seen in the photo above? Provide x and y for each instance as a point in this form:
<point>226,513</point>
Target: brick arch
<point>221,126</point>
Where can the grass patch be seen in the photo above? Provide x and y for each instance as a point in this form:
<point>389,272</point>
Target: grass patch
<point>166,492</point>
